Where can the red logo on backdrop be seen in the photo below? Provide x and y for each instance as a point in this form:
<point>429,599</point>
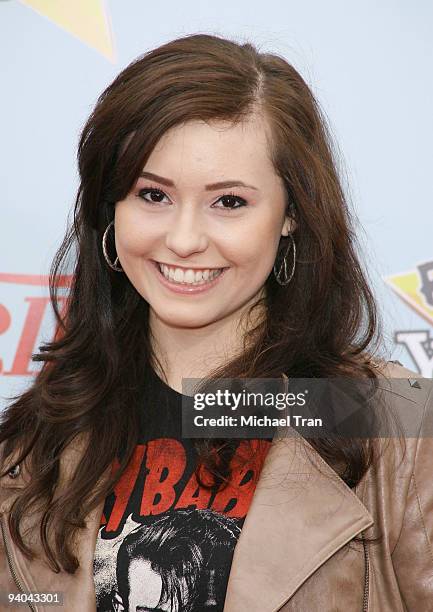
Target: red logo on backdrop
<point>36,309</point>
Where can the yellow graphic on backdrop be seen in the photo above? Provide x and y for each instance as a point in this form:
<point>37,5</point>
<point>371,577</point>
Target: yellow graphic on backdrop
<point>88,20</point>
<point>408,287</point>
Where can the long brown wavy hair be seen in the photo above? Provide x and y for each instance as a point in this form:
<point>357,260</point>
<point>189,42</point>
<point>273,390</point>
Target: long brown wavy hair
<point>323,323</point>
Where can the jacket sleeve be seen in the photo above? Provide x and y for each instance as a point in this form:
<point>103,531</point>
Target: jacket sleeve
<point>413,555</point>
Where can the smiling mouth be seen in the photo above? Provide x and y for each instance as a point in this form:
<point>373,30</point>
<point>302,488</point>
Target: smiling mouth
<point>191,278</point>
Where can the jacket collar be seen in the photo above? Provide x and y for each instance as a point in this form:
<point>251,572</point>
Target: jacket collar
<point>301,514</point>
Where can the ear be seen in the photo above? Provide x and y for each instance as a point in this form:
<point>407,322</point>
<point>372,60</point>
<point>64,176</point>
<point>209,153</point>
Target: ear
<point>289,226</point>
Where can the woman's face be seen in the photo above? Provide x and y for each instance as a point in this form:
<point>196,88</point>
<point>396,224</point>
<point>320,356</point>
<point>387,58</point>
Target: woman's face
<point>209,200</point>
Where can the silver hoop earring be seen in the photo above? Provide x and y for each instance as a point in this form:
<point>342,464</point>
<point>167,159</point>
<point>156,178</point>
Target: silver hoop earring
<point>285,279</point>
<point>113,266</point>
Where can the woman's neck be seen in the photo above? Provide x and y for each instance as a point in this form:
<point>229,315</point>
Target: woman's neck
<point>195,352</point>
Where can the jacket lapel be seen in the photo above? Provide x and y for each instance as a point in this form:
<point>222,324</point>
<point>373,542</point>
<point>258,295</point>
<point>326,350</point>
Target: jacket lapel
<point>301,514</point>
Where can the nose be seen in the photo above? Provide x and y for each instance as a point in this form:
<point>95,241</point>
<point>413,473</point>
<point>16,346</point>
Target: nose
<point>185,233</point>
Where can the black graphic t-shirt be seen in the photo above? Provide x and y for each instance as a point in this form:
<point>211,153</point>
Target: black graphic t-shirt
<point>165,543</point>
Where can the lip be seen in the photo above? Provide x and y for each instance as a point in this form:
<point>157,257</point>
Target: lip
<point>183,288</point>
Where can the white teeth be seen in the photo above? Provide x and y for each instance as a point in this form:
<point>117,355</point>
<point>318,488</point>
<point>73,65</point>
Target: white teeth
<point>189,277</point>
<point>178,276</point>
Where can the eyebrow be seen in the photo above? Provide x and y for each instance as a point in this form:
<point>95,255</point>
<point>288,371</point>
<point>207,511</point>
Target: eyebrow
<point>211,187</point>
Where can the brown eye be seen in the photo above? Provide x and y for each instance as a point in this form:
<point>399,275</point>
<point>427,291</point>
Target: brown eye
<point>156,195</point>
<point>229,200</point>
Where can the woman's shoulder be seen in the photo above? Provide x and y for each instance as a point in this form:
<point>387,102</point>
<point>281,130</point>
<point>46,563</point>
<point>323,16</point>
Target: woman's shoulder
<point>402,381</point>
<point>408,397</point>
<point>395,369</point>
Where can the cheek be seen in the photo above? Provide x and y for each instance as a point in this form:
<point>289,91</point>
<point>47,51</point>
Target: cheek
<point>133,242</point>
<point>254,250</point>
<point>133,237</point>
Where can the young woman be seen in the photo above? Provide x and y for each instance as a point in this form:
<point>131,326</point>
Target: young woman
<point>212,240</point>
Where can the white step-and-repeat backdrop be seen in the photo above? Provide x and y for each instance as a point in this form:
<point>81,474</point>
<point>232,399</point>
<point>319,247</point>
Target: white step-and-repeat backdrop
<point>369,64</point>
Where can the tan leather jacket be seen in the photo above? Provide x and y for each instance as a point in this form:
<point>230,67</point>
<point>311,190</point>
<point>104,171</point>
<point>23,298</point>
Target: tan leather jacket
<point>295,551</point>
